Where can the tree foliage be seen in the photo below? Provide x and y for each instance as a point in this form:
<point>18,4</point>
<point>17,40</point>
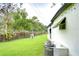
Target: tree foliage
<point>24,23</point>
<point>16,19</point>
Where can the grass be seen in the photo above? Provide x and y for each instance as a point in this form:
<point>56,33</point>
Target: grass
<point>24,47</point>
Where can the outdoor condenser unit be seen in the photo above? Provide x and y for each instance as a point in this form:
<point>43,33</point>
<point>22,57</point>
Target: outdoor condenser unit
<point>53,50</point>
<point>61,51</point>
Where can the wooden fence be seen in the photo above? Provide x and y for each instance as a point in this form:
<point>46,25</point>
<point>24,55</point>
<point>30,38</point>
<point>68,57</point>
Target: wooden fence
<point>18,35</point>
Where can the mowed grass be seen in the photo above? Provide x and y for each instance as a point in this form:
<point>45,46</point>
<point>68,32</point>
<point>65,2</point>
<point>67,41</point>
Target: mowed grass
<point>24,47</point>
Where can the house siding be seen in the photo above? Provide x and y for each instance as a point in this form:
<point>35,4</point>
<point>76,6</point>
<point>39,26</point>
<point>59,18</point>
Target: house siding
<point>69,37</point>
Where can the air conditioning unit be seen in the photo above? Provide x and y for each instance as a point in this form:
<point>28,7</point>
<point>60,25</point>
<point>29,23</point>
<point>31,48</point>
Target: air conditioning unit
<point>54,50</point>
<point>61,51</point>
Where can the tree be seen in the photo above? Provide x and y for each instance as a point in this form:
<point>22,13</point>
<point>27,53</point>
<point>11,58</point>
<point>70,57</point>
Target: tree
<point>6,9</point>
<point>24,14</point>
<point>20,17</point>
<point>34,18</point>
<point>24,23</point>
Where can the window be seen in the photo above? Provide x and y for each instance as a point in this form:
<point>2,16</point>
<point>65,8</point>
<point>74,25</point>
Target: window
<point>62,25</point>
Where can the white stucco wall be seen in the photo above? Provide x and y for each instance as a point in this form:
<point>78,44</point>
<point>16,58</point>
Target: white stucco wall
<point>69,37</point>
<point>48,33</point>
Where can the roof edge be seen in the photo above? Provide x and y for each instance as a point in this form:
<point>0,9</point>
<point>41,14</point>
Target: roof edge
<point>66,5</point>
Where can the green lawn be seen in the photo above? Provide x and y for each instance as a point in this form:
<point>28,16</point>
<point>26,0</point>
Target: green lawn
<point>24,47</point>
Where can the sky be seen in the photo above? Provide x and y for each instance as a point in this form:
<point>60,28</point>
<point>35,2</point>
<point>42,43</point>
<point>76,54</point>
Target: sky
<point>43,11</point>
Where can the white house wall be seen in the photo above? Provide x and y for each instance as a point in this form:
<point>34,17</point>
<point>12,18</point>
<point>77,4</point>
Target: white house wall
<point>69,37</point>
<point>48,33</point>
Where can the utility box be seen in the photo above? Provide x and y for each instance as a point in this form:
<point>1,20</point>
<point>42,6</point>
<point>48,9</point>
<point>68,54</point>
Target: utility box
<point>61,51</point>
<point>52,50</point>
